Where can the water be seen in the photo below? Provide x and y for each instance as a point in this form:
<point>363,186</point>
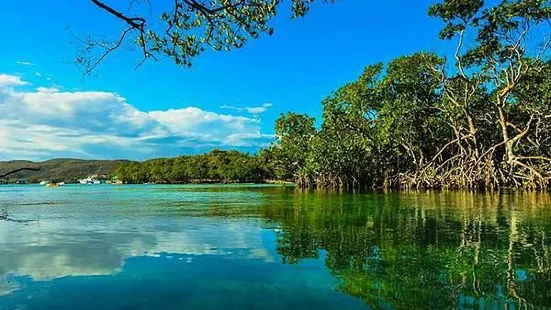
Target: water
<point>266,247</point>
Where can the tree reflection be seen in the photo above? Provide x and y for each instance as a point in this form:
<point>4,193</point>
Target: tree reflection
<point>430,250</point>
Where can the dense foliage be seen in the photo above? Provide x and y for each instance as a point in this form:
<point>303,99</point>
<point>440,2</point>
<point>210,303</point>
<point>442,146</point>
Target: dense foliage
<point>481,120</point>
<point>215,166</point>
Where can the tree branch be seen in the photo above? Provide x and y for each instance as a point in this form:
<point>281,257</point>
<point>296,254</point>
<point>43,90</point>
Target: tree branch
<point>3,176</point>
<point>135,22</point>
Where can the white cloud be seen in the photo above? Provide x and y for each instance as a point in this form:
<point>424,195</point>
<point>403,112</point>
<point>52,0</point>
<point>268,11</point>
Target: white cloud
<point>48,122</point>
<point>25,63</point>
<point>37,74</point>
<point>11,80</point>
<point>251,110</point>
<point>50,257</point>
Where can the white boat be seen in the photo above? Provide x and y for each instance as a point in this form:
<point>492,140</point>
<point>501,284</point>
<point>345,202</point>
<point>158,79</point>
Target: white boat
<point>91,179</point>
<point>86,181</point>
<point>51,184</point>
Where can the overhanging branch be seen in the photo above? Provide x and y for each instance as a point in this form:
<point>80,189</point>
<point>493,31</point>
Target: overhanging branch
<point>3,176</point>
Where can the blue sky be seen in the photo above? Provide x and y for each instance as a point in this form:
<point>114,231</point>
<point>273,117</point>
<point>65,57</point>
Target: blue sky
<point>227,99</point>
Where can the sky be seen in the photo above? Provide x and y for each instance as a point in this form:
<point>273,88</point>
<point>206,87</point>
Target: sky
<point>227,100</point>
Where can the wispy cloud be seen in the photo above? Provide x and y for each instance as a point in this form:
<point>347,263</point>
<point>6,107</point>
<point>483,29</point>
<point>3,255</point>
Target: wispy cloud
<point>48,122</point>
<point>25,63</point>
<point>251,110</point>
<point>37,74</point>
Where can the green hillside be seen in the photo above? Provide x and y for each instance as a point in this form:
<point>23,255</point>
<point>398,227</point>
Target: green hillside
<point>59,170</point>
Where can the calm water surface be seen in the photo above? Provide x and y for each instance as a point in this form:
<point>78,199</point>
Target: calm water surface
<point>265,247</point>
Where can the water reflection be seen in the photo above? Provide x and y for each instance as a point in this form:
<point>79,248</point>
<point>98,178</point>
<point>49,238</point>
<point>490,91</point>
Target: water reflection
<point>454,250</point>
<point>294,249</point>
<point>71,248</point>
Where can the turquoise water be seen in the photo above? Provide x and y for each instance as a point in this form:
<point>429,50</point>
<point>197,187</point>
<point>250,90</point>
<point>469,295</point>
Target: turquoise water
<point>269,247</point>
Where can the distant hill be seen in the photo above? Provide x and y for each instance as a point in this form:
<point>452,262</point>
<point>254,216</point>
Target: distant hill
<point>59,170</point>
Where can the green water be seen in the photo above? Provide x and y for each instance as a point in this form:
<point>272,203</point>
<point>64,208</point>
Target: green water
<point>266,247</point>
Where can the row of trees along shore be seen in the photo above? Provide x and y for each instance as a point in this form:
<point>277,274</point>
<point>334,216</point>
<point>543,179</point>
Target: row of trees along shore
<point>216,166</point>
<point>478,119</point>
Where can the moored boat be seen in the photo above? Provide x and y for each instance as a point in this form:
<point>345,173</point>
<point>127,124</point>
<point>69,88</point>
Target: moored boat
<point>92,179</point>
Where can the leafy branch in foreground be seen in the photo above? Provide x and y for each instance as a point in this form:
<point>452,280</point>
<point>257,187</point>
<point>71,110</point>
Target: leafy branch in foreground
<point>189,28</point>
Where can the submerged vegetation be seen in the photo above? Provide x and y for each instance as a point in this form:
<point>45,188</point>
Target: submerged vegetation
<point>479,120</point>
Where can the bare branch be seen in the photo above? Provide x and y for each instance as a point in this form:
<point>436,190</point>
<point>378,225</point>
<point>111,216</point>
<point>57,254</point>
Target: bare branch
<point>3,176</point>
<point>108,51</point>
